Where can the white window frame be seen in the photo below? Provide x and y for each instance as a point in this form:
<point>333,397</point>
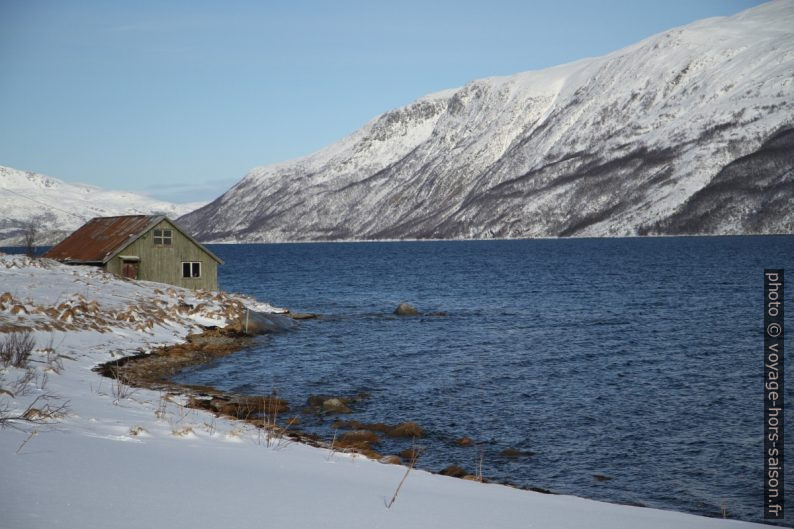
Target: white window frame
<point>192,265</point>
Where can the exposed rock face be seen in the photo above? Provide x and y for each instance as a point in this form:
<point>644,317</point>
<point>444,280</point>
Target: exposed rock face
<point>688,131</point>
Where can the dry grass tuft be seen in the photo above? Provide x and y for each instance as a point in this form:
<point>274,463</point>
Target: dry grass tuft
<point>407,429</point>
<point>358,440</point>
<point>137,430</point>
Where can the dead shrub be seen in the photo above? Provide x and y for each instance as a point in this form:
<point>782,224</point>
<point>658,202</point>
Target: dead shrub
<point>16,347</point>
<point>44,410</point>
<point>120,389</point>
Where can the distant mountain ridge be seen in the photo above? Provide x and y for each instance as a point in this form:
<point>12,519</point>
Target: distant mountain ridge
<point>688,131</point>
<point>56,208</point>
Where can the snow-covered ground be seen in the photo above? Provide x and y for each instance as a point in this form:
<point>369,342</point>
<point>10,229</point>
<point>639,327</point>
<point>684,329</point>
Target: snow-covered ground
<point>122,457</point>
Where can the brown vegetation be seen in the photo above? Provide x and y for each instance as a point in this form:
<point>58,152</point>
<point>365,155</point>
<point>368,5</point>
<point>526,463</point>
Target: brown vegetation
<point>358,439</point>
<point>406,429</point>
<point>454,471</point>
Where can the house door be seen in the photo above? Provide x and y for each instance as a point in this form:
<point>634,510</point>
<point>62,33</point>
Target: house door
<point>129,269</point>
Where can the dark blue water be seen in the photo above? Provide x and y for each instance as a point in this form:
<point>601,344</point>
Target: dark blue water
<point>636,359</point>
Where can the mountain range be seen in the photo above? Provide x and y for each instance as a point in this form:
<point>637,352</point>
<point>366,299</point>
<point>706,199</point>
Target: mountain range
<point>690,131</point>
<point>56,208</point>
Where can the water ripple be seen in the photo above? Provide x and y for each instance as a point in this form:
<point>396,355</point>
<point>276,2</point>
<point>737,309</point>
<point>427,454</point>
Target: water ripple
<point>635,359</point>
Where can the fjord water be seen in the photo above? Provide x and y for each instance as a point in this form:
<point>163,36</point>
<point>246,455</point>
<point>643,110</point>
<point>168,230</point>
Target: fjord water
<point>637,359</point>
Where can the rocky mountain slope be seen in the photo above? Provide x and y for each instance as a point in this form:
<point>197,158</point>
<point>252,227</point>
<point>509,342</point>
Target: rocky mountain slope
<point>688,131</point>
<point>56,208</point>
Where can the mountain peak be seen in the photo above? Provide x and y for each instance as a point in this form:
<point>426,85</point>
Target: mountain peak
<point>612,145</point>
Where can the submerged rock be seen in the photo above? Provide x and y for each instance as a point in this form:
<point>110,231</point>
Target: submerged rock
<point>301,315</point>
<point>514,452</point>
<point>406,309</point>
<point>410,454</point>
<point>356,425</point>
<point>336,405</point>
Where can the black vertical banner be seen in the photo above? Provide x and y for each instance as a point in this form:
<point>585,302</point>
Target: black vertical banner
<point>773,395</point>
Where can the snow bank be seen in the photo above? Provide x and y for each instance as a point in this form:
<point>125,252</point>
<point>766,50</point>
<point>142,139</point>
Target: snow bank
<point>124,457</point>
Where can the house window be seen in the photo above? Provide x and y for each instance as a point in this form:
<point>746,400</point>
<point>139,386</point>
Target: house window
<point>191,269</point>
<point>163,237</point>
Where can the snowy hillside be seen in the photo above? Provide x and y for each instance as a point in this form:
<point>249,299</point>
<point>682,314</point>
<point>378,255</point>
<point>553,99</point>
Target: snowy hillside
<point>57,208</point>
<point>688,131</point>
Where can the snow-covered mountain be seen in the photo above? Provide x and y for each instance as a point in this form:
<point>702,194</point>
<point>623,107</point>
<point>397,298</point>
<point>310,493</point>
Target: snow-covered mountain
<point>688,131</point>
<point>56,208</point>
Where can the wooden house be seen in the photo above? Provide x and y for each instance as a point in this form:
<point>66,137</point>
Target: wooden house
<point>152,248</point>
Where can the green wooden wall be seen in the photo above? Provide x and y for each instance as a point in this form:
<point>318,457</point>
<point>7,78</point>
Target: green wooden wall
<point>164,263</point>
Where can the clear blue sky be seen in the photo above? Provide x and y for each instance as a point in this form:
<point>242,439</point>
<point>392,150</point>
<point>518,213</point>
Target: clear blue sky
<point>178,99</point>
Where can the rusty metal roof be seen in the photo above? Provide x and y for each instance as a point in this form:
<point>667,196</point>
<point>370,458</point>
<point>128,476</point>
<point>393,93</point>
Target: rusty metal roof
<point>102,237</point>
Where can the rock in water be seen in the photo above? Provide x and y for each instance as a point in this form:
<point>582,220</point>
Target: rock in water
<point>335,405</point>
<point>406,309</point>
<point>254,323</point>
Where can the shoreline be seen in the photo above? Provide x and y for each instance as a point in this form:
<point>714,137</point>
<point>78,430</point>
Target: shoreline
<point>503,239</point>
<point>125,454</point>
<point>153,370</point>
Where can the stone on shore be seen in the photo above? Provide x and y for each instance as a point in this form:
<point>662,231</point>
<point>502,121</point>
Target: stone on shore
<point>391,460</point>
